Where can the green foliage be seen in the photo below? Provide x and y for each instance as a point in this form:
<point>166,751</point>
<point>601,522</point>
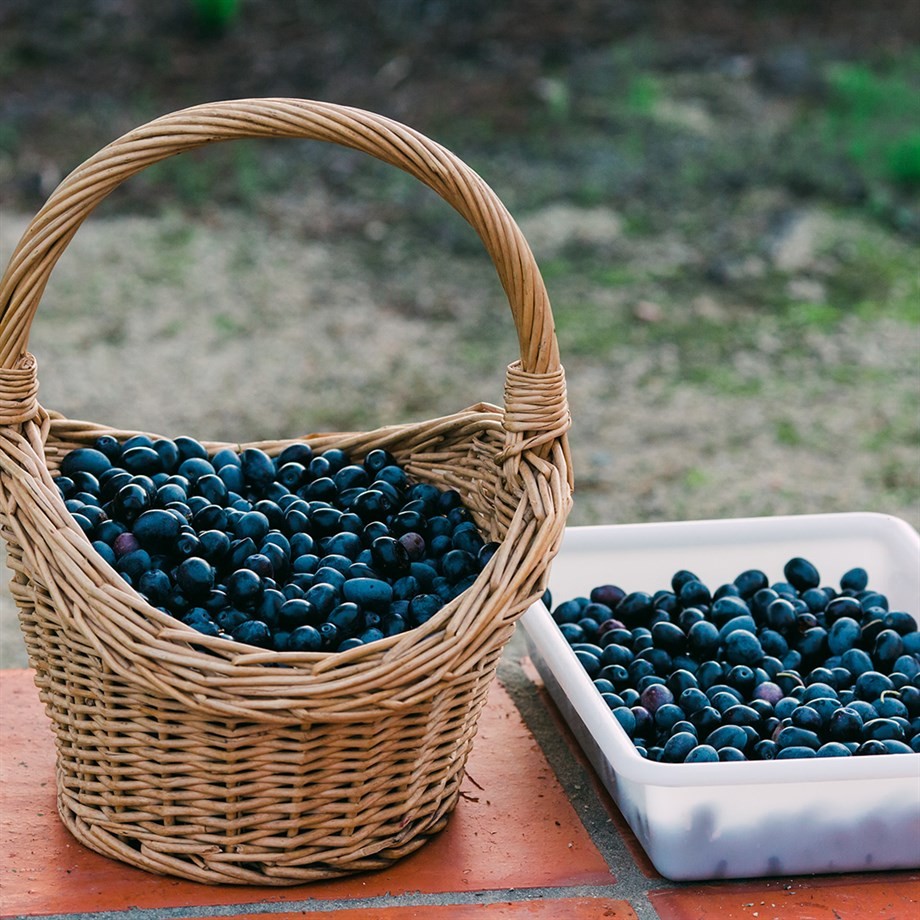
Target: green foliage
<point>214,16</point>
<point>788,433</point>
<point>643,93</point>
<point>876,276</point>
<point>238,174</point>
<point>822,317</point>
<point>873,116</point>
<point>903,160</point>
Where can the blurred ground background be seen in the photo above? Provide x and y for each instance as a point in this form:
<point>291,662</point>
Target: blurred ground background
<point>724,199</point>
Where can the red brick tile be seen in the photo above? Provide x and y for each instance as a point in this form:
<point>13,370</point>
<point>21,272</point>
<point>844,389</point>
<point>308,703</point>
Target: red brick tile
<point>885,896</point>
<point>513,828</point>
<point>544,909</point>
<point>620,826</point>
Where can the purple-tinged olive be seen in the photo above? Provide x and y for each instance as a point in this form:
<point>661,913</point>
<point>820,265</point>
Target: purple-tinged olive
<point>609,595</point>
<point>415,547</point>
<point>655,696</point>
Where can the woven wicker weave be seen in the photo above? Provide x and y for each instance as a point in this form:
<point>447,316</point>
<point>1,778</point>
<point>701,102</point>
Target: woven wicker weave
<point>188,755</point>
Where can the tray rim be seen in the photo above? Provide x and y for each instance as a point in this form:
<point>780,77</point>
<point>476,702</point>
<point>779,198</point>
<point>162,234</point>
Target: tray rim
<point>609,736</point>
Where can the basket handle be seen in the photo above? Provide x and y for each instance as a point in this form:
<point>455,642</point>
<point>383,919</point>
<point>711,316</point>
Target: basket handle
<point>55,224</point>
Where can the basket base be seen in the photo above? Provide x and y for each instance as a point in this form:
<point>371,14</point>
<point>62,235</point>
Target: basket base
<point>217,866</point>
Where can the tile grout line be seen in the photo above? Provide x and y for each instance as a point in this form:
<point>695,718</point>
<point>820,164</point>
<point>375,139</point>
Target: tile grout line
<point>633,885</point>
<point>314,905</point>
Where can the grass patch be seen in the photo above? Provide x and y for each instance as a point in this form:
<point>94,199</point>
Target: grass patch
<point>238,174</point>
<point>588,329</point>
<point>900,427</point>
<point>873,115</point>
<point>877,278</point>
<point>214,17</point>
<point>787,433</point>
<point>822,317</point>
<point>227,326</point>
<point>643,94</point>
<point>860,143</point>
<point>696,478</point>
<point>720,378</point>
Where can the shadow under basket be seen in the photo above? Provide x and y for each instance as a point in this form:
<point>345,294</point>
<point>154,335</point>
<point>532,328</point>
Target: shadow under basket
<point>214,761</point>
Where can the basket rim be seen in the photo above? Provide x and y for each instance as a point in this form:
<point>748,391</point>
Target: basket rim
<point>273,691</point>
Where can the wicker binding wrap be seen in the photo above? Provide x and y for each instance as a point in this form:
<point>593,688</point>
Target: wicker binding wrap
<point>187,755</point>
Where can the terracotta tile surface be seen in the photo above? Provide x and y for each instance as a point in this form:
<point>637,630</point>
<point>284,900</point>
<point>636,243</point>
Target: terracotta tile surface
<point>513,828</point>
<point>620,825</point>
<point>544,909</point>
<point>513,837</point>
<point>883,896</point>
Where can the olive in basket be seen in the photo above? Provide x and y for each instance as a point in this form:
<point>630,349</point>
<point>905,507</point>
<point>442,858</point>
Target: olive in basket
<point>301,552</point>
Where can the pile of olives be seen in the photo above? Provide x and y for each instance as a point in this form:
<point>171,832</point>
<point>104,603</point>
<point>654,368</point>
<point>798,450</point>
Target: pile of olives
<point>752,670</point>
<point>300,552</point>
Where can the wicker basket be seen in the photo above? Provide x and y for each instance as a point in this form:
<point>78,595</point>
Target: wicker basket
<point>190,756</point>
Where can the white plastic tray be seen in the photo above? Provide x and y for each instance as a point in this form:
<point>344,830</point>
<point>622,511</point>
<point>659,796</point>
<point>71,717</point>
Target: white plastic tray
<point>747,819</point>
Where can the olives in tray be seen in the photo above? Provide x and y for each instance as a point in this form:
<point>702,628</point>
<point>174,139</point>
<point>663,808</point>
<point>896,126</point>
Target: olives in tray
<point>752,669</point>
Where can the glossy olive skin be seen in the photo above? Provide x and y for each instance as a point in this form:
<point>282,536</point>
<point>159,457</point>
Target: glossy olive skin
<point>752,670</point>
<point>298,552</point>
